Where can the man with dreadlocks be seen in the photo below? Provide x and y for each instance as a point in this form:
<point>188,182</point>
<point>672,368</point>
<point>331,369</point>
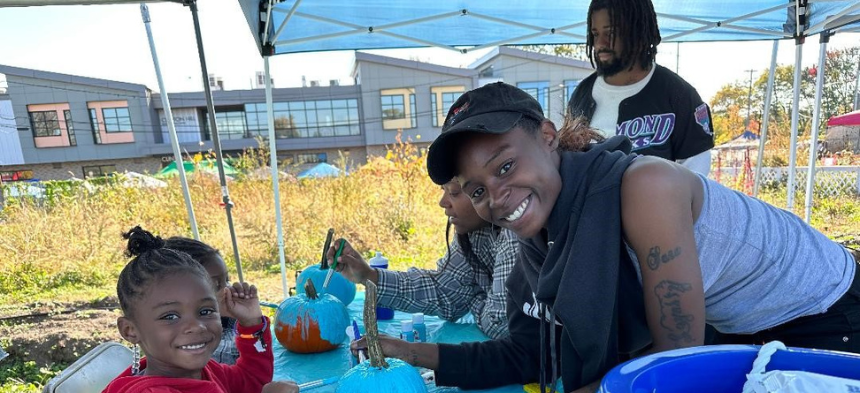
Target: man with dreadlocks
<point>631,95</point>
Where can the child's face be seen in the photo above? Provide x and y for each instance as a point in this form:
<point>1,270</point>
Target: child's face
<point>176,323</point>
<point>512,178</point>
<point>459,209</point>
<point>217,270</point>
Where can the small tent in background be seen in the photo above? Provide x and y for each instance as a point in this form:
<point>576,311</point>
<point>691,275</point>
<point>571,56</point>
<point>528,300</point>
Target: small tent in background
<point>735,152</point>
<point>190,167</point>
<point>134,179</point>
<point>843,133</point>
<point>320,170</point>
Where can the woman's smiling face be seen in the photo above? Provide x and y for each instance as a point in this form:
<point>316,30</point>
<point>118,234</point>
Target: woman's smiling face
<point>512,178</point>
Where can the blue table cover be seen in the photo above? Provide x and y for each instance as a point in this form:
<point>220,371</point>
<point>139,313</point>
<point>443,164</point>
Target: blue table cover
<point>309,367</point>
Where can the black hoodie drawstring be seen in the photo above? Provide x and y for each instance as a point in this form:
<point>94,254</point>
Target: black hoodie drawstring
<point>552,349</point>
<point>541,314</point>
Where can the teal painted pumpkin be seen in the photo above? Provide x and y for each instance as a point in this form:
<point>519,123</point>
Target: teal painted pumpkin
<point>311,322</point>
<point>399,377</point>
<point>339,286</point>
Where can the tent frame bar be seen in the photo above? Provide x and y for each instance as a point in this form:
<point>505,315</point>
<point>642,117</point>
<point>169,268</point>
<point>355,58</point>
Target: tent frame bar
<point>171,127</point>
<point>816,122</point>
<point>287,18</point>
<point>707,25</point>
<point>766,117</point>
<point>844,11</point>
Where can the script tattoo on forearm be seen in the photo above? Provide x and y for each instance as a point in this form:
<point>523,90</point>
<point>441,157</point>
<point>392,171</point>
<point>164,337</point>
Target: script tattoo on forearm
<point>655,258</point>
<point>672,317</point>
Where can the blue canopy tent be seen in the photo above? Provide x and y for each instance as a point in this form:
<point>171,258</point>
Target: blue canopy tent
<point>294,26</point>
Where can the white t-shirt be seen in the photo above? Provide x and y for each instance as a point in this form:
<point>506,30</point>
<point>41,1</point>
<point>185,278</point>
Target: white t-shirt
<point>608,98</point>
<point>605,119</point>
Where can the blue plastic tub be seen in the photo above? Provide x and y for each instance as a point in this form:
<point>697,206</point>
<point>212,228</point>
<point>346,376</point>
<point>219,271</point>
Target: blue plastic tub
<point>718,368</point>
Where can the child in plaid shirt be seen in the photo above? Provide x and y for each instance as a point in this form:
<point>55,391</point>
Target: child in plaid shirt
<point>469,278</point>
<point>210,258</point>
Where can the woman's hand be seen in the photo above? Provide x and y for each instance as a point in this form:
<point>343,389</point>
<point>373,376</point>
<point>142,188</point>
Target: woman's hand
<point>240,301</point>
<point>350,263</point>
<point>417,354</point>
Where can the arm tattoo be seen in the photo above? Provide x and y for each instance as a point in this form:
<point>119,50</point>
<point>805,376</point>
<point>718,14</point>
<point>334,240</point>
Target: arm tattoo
<point>414,356</point>
<point>654,258</point>
<point>672,317</point>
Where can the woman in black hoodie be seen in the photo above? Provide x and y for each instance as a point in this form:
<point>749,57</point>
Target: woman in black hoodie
<point>624,254</point>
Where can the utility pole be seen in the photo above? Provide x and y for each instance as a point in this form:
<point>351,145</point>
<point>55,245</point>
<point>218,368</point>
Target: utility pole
<point>677,56</point>
<point>749,101</point>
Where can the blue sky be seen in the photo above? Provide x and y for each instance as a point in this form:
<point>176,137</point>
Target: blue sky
<point>110,42</point>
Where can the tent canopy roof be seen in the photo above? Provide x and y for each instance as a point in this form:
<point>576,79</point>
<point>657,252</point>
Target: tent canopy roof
<point>302,26</point>
<point>848,119</point>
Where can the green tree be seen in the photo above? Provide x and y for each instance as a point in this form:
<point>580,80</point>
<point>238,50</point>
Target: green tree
<point>572,51</point>
<point>729,104</point>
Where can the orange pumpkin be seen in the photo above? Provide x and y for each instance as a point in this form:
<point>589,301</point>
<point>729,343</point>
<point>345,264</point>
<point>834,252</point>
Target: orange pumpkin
<point>311,322</point>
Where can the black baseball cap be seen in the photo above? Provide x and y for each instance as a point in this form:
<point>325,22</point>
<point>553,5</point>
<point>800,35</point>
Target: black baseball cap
<point>491,109</point>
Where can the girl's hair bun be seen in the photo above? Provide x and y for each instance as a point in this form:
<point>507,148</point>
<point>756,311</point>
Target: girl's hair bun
<point>141,241</point>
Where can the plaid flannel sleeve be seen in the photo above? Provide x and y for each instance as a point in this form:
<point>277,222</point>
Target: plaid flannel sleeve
<point>490,311</point>
<point>445,292</point>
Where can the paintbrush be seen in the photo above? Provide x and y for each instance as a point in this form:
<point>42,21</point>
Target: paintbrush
<point>333,266</point>
<point>317,384</point>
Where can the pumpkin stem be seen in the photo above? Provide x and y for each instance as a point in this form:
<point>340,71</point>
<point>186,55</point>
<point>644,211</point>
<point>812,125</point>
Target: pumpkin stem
<point>310,290</point>
<point>374,348</point>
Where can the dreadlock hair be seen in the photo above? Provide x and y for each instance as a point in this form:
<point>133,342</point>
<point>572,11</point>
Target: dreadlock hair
<point>634,22</point>
<point>199,251</point>
<point>150,262</point>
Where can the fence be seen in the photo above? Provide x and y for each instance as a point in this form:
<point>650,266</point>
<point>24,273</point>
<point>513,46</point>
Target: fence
<point>829,180</point>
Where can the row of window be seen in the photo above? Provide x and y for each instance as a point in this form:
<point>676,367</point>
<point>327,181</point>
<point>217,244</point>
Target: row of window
<point>395,113</point>
<point>47,123</point>
<point>303,119</point>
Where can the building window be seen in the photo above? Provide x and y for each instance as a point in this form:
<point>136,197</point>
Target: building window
<point>413,111</point>
<point>70,127</point>
<point>487,73</point>
<point>45,124</point>
<point>311,158</point>
<point>305,119</point>
<point>441,100</point>
<point>8,176</point>
<point>116,119</point>
<point>540,91</point>
<point>231,125</point>
<point>94,122</point>
<point>393,108</point>
<point>395,113</point>
<point>98,170</point>
<point>569,87</point>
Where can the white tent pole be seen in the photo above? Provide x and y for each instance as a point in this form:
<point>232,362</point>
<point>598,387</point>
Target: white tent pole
<point>795,108</point>
<point>816,120</point>
<point>856,105</point>
<point>766,117</point>
<point>273,163</point>
<point>168,115</point>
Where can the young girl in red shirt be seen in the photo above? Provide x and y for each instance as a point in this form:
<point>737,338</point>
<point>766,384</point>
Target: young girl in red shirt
<point>170,310</point>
